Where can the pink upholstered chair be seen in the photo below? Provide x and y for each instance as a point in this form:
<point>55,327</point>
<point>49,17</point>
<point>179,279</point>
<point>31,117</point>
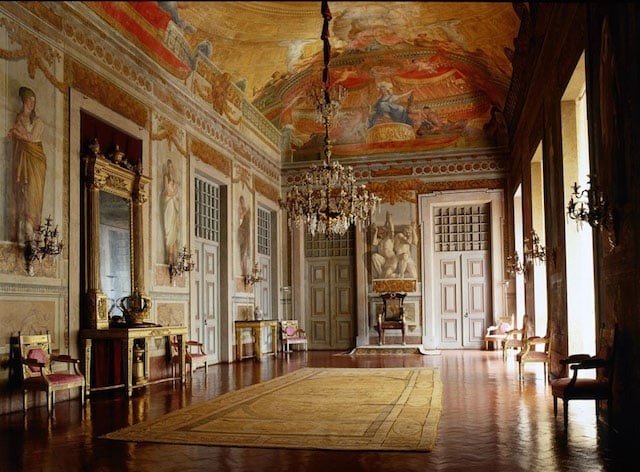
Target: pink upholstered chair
<point>195,357</point>
<point>497,334</point>
<point>292,334</point>
<point>38,374</point>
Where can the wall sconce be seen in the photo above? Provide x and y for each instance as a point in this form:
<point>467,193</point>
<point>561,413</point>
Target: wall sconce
<point>44,242</point>
<point>515,266</point>
<point>254,277</point>
<point>184,263</point>
<point>534,251</point>
<point>591,205</point>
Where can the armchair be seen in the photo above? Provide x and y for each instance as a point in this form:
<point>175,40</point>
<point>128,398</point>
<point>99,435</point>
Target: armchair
<point>575,388</point>
<point>38,374</point>
<point>392,316</point>
<point>497,334</point>
<point>530,352</point>
<point>514,338</point>
<point>194,357</point>
<point>292,334</point>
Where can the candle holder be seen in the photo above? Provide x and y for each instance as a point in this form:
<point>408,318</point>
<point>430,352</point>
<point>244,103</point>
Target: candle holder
<point>45,241</point>
<point>184,263</point>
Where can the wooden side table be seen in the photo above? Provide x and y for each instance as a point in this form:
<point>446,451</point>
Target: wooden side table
<point>256,327</point>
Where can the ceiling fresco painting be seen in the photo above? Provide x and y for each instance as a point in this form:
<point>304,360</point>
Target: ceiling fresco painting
<point>419,76</point>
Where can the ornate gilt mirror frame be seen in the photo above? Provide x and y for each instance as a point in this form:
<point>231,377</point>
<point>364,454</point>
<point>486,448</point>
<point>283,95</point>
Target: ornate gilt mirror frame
<point>102,174</point>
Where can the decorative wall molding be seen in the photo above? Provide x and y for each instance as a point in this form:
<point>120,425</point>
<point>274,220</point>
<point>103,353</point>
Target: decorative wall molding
<point>210,156</point>
<point>168,131</point>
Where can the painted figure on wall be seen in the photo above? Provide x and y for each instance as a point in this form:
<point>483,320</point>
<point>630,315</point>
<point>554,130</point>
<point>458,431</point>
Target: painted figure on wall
<point>244,235</point>
<point>171,211</point>
<point>393,250</point>
<point>402,243</point>
<point>383,259</point>
<point>30,164</point>
<point>387,105</point>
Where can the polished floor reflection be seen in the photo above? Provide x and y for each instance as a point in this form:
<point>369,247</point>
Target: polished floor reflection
<point>490,422</point>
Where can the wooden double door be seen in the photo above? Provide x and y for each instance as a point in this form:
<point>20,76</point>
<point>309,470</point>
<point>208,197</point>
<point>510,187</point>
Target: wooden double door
<point>463,297</point>
<point>330,310</point>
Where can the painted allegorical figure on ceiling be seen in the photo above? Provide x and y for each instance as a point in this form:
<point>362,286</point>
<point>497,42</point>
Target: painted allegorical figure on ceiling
<point>424,92</point>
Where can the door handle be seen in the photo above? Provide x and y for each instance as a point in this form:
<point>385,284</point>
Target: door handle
<point>466,314</point>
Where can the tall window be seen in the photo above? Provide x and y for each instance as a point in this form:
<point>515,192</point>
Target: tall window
<point>579,240</point>
<point>207,198</point>
<point>264,232</point>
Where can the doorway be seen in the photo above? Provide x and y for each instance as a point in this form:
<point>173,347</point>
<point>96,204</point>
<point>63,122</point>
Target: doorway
<point>205,315</point>
<point>463,289</point>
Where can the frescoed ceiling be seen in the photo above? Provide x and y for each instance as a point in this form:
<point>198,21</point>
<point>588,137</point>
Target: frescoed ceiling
<point>448,64</point>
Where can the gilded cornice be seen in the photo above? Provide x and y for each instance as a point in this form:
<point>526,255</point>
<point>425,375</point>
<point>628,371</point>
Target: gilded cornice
<point>266,189</point>
<point>210,156</point>
<point>395,191</point>
<point>97,87</point>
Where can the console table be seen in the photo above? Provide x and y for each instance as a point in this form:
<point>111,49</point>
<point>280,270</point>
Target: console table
<point>256,327</point>
<point>128,335</point>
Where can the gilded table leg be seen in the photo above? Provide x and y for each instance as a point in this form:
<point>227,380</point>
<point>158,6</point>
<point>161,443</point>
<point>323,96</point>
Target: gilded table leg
<point>258,342</point>
<point>182,347</point>
<point>128,366</point>
<point>239,343</point>
<point>86,348</point>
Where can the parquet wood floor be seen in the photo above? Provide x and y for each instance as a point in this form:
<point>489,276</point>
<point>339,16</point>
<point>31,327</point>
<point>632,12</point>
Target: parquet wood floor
<point>490,422</point>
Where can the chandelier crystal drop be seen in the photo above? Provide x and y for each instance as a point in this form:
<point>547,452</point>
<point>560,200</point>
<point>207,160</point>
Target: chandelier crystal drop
<point>328,199</point>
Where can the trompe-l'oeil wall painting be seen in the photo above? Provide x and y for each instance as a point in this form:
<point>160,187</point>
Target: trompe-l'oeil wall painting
<point>31,164</point>
<point>394,248</point>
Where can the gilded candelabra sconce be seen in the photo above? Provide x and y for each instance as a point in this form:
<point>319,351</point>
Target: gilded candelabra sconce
<point>515,265</point>
<point>591,205</point>
<point>534,251</point>
<point>44,242</point>
<point>184,263</point>
<point>254,277</point>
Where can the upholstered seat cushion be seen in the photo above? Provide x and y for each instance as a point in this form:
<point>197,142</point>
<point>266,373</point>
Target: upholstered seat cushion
<point>587,387</point>
<point>296,339</point>
<point>534,356</point>
<point>196,355</point>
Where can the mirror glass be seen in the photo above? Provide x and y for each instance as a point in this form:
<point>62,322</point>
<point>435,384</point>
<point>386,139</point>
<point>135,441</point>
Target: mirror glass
<point>115,249</point>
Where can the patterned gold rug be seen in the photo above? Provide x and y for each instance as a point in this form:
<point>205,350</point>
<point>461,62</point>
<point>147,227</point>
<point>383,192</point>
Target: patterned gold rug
<point>348,409</point>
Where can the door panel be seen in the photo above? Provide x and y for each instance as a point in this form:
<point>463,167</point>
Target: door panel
<point>318,305</point>
<point>448,302</point>
<point>342,304</point>
<point>475,296</point>
<point>330,312</point>
<point>205,320</point>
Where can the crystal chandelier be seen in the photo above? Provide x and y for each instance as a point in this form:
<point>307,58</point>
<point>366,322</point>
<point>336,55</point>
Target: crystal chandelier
<point>328,199</point>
